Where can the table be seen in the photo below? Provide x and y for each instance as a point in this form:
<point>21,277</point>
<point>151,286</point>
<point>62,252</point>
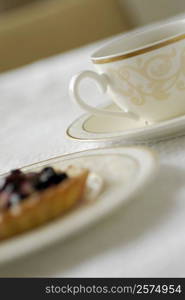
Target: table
<point>145,238</point>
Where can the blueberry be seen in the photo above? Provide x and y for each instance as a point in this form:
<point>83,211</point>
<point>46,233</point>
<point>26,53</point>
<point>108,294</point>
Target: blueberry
<point>63,176</point>
<point>15,175</point>
<point>22,185</point>
<point>48,170</point>
<point>45,178</point>
<point>16,172</point>
<point>46,174</point>
<point>59,178</point>
<point>14,178</point>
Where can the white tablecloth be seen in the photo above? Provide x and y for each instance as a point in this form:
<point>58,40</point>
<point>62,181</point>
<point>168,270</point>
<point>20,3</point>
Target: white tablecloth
<point>145,238</point>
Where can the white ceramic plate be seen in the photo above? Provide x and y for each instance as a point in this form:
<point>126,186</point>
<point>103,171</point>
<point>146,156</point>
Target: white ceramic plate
<point>124,171</point>
<point>103,128</point>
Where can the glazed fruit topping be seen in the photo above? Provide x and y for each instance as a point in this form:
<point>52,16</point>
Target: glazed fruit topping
<point>17,186</point>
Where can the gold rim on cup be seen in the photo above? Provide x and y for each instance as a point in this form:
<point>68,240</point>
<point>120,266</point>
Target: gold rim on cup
<point>139,51</point>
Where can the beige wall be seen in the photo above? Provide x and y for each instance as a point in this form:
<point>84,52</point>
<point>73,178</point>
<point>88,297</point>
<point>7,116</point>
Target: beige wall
<point>49,27</point>
<point>10,4</point>
<point>142,12</point>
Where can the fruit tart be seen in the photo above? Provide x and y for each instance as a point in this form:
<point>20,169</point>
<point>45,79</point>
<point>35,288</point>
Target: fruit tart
<point>28,200</point>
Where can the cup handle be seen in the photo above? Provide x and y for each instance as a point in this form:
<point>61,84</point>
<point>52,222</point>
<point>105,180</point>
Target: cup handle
<point>102,82</point>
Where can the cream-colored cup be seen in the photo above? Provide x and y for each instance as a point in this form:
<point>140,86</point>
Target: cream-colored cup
<point>143,72</point>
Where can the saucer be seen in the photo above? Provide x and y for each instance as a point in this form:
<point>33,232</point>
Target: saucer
<point>104,128</point>
<point>121,173</point>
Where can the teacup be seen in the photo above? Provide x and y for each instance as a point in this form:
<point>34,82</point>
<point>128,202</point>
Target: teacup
<point>143,72</point>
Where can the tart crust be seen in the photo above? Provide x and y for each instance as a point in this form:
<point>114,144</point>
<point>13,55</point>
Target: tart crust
<point>42,207</point>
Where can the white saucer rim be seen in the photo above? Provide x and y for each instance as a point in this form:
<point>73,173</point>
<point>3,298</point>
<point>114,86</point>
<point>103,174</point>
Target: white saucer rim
<point>93,137</point>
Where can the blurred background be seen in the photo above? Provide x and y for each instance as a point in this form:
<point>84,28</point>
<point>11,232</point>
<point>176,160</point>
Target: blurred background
<point>34,29</point>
